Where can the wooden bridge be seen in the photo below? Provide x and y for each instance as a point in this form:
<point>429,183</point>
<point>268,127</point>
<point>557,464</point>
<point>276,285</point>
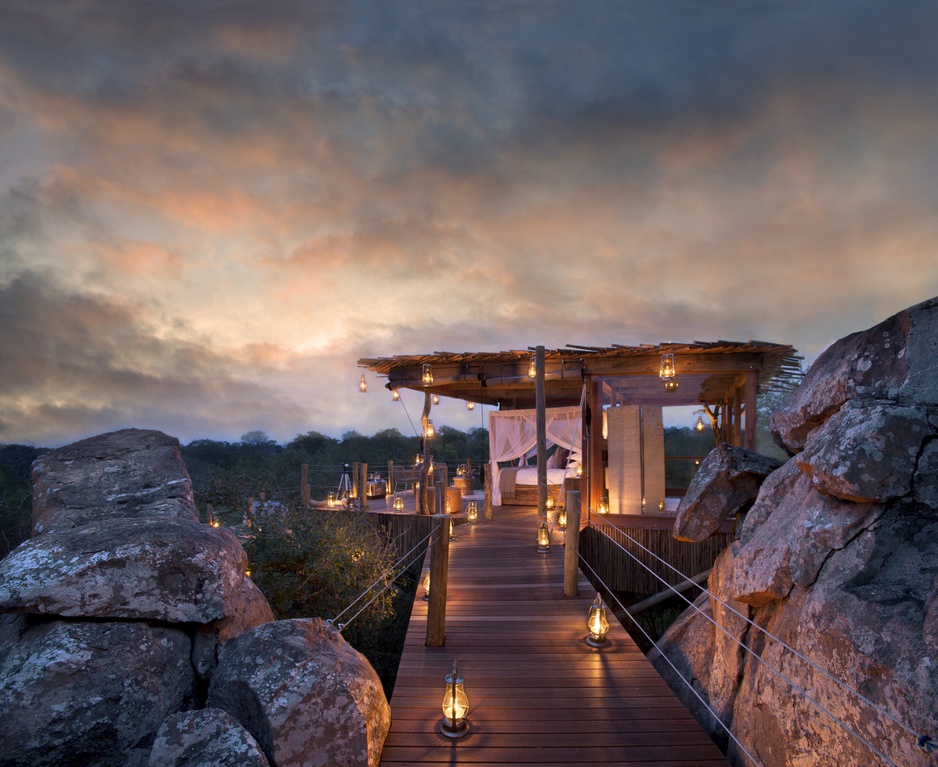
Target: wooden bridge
<point>538,693</point>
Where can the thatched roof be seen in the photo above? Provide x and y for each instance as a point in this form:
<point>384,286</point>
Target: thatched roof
<point>706,371</point>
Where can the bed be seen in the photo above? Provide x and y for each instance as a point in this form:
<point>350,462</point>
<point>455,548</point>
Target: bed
<point>513,438</point>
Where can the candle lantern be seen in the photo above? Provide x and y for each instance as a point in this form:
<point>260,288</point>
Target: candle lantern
<point>455,723</point>
<point>562,519</point>
<point>472,512</point>
<point>597,623</point>
<point>667,367</point>
<point>550,501</point>
<point>427,374</point>
<point>398,503</point>
<point>362,384</point>
<point>543,537</point>
<point>470,405</point>
<point>436,399</point>
<point>671,385</point>
<point>699,426</point>
<point>330,500</point>
<point>532,369</point>
<point>395,395</point>
<point>429,431</point>
<point>426,586</point>
<point>603,506</point>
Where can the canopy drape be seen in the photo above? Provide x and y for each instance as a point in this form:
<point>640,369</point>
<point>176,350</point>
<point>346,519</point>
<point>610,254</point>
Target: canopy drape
<point>513,434</point>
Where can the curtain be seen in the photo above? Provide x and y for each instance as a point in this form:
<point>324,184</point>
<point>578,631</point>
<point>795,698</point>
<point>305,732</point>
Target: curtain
<point>513,433</point>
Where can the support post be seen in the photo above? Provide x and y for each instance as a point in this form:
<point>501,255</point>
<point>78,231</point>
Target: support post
<point>425,478</point>
<point>571,546</point>
<point>541,423</point>
<point>439,569</point>
<point>488,511</point>
<point>364,487</point>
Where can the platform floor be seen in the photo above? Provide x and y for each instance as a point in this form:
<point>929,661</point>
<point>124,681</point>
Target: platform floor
<point>538,693</point>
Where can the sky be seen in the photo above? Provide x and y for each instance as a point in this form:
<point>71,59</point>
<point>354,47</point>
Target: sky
<point>211,209</point>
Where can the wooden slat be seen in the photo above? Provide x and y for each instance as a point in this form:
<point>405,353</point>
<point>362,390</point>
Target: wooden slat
<point>538,693</point>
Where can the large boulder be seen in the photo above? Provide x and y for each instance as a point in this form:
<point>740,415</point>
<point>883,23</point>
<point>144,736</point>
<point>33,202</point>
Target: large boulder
<point>125,567</point>
<point>726,483</point>
<point>127,473</point>
<point>90,692</point>
<point>837,566</point>
<point>208,737</point>
<point>895,360</point>
<point>307,697</point>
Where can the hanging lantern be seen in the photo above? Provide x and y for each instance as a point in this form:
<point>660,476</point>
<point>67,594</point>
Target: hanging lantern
<point>426,586</point>
<point>667,367</point>
<point>532,369</point>
<point>418,460</point>
<point>395,395</point>
<point>362,384</point>
<point>699,426</point>
<point>597,623</point>
<point>543,537</point>
<point>671,385</point>
<point>455,706</point>
<point>550,501</point>
<point>562,519</point>
<point>398,503</point>
<point>429,432</point>
<point>436,399</point>
<point>472,512</point>
<point>427,374</point>
<point>604,506</point>
<point>330,500</point>
<point>470,405</point>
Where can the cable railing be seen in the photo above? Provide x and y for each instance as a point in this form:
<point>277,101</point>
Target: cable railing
<point>410,557</point>
<point>923,742</point>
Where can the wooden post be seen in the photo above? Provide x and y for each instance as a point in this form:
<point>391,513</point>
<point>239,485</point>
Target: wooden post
<point>391,484</point>
<point>439,569</point>
<point>487,511</point>
<point>209,513</point>
<point>425,478</point>
<point>597,474</point>
<point>541,424</point>
<point>571,546</point>
<point>304,484</point>
<point>752,381</point>
<point>364,487</point>
<point>353,482</point>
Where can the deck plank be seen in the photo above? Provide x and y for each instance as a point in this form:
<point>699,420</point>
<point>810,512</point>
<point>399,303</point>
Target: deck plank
<point>538,693</point>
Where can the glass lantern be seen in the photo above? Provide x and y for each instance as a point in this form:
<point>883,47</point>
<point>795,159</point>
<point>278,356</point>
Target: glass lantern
<point>426,586</point>
<point>472,512</point>
<point>398,503</point>
<point>427,374</point>
<point>455,723</point>
<point>562,519</point>
<point>597,623</point>
<point>330,500</point>
<point>543,537</point>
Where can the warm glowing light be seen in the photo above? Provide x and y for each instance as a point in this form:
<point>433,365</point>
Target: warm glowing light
<point>579,472</point>
<point>470,405</point>
<point>597,623</point>
<point>543,537</point>
<point>426,586</point>
<point>455,706</point>
<point>330,500</point>
<point>362,384</point>
<point>661,505</point>
<point>700,424</point>
<point>247,573</point>
<point>667,367</point>
<point>436,399</point>
<point>418,460</point>
<point>427,375</point>
<point>429,430</point>
<point>562,519</point>
<point>532,369</point>
<point>216,523</point>
<point>550,501</point>
<point>472,512</point>
<point>395,395</point>
<point>604,506</point>
<point>671,385</point>
<point>398,503</point>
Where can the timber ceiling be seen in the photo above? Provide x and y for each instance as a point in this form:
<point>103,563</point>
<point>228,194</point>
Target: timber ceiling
<point>706,372</point>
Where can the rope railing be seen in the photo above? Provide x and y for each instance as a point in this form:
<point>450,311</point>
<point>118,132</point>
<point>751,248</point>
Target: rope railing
<point>676,670</point>
<point>923,742</point>
<point>383,579</point>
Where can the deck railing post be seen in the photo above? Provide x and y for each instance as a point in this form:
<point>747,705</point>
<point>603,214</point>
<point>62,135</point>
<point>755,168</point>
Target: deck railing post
<point>571,545</point>
<point>439,568</point>
<point>488,511</point>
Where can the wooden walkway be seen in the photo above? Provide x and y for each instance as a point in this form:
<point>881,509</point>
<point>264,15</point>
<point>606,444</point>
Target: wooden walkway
<point>538,693</point>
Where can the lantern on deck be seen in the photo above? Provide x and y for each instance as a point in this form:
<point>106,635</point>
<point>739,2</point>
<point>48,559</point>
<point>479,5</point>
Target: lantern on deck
<point>398,503</point>
<point>472,512</point>
<point>330,500</point>
<point>543,537</point>
<point>604,506</point>
<point>550,501</point>
<point>562,519</point>
<point>426,586</point>
<point>455,706</point>
<point>597,623</point>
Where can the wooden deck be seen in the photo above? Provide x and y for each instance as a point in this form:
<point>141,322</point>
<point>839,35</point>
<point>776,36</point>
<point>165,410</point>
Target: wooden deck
<point>538,693</point>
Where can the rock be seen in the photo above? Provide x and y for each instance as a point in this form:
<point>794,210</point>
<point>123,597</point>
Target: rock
<point>128,473</point>
<point>251,609</point>
<point>895,360</point>
<point>209,737</point>
<point>727,482</point>
<point>867,451</point>
<point>90,693</point>
<point>306,696</point>
<point>164,569</point>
